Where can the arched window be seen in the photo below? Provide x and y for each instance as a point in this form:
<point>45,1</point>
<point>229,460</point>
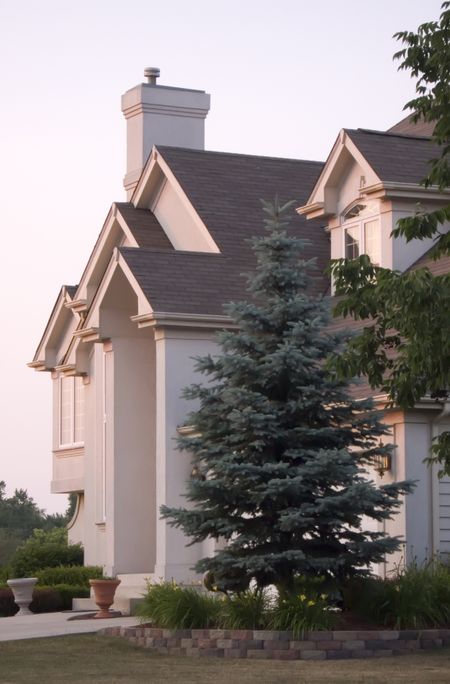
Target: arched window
<point>362,232</point>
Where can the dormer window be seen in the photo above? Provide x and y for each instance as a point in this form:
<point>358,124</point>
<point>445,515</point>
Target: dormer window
<point>361,233</point>
<point>352,242</point>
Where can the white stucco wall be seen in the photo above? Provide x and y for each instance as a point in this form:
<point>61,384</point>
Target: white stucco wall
<point>119,515</point>
<point>94,533</point>
<point>180,222</point>
<point>422,521</point>
<point>130,511</point>
<point>75,528</point>
<point>175,370</point>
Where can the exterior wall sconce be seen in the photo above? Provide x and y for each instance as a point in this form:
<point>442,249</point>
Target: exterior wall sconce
<point>383,463</point>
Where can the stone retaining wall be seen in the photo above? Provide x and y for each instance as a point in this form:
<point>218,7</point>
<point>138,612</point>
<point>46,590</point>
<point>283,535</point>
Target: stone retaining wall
<point>264,644</point>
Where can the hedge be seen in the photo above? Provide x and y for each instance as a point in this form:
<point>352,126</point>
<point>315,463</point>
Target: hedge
<point>45,599</point>
<point>74,575</point>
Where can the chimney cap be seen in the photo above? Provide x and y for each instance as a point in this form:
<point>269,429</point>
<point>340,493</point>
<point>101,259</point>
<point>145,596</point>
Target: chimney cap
<point>151,74</point>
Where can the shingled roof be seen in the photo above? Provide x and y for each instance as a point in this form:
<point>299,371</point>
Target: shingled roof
<point>394,157</point>
<point>437,267</point>
<point>418,128</point>
<point>144,226</point>
<point>225,190</point>
<point>184,282</point>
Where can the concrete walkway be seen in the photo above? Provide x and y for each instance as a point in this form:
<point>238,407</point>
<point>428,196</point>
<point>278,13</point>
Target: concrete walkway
<point>55,624</point>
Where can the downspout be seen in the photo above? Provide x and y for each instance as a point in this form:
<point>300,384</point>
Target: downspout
<point>440,418</point>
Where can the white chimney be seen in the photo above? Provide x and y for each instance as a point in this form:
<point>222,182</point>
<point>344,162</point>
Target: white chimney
<point>160,115</point>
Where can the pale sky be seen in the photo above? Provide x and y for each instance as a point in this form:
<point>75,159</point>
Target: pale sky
<point>284,78</point>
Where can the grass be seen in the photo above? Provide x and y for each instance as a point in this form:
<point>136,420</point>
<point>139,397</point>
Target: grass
<point>87,658</point>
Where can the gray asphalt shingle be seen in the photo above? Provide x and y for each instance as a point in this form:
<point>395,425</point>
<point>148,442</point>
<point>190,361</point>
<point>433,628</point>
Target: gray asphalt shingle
<point>395,158</point>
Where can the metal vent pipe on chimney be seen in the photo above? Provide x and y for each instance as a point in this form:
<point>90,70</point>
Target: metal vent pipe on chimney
<point>151,74</point>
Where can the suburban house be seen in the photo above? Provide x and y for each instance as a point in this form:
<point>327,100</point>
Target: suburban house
<point>119,345</point>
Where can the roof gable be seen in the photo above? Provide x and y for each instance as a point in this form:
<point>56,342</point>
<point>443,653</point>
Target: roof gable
<point>343,159</point>
<point>394,157</point>
<point>392,165</point>
<point>61,319</point>
<point>223,191</point>
<point>158,190</point>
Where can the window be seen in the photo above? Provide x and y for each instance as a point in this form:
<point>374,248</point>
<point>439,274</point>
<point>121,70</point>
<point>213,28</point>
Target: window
<point>352,242</point>
<point>362,233</point>
<point>71,410</point>
<point>372,241</point>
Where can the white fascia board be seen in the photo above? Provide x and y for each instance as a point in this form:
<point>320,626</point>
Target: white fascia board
<point>58,319</point>
<point>316,205</point>
<point>316,199</point>
<point>144,306</point>
<point>187,204</point>
<point>110,236</point>
<point>149,187</point>
<point>91,323</point>
<point>75,361</point>
<point>150,176</point>
<point>123,224</point>
<point>161,319</point>
<point>415,191</point>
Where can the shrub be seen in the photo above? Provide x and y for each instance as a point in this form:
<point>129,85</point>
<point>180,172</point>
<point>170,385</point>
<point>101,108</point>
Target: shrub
<point>246,610</point>
<point>67,592</point>
<point>74,575</point>
<point>416,597</point>
<point>171,606</point>
<point>43,550</point>
<point>364,596</point>
<point>5,573</point>
<point>301,613</point>
<point>7,605</point>
<point>45,599</point>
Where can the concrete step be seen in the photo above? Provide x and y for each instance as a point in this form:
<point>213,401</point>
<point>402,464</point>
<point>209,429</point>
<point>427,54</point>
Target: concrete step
<point>83,604</point>
<point>130,591</point>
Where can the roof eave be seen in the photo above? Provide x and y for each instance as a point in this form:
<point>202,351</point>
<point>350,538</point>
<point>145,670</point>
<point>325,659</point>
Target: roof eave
<point>394,189</point>
<point>172,319</point>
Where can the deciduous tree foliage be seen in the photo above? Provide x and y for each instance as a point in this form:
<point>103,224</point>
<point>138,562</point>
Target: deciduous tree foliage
<point>280,447</point>
<point>19,516</point>
<point>405,347</point>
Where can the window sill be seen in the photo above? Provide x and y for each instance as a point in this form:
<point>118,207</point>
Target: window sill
<point>68,447</point>
<point>69,451</point>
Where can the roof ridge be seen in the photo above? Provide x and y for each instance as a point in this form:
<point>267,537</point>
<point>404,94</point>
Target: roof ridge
<point>239,154</point>
<point>389,134</point>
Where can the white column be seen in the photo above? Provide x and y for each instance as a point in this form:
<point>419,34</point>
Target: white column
<point>174,371</point>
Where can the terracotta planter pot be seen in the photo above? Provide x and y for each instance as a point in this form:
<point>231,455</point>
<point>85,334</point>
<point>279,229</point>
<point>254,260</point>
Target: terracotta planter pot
<point>23,593</point>
<point>104,590</point>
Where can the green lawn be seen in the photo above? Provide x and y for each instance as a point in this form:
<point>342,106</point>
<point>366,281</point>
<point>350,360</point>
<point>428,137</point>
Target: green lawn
<point>94,659</point>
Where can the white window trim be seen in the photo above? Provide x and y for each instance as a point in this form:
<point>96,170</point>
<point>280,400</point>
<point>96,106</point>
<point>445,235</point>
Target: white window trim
<point>359,223</point>
<point>71,444</point>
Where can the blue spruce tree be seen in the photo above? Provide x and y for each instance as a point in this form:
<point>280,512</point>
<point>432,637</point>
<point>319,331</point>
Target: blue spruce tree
<point>281,446</point>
